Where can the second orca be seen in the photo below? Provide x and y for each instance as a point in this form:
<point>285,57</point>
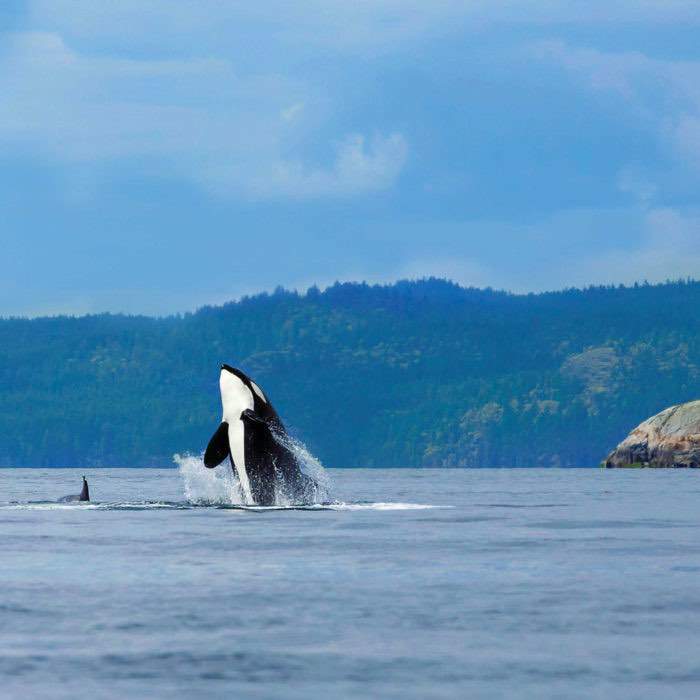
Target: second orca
<point>83,496</point>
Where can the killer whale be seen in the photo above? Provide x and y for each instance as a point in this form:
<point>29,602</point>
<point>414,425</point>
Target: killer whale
<point>254,439</point>
<point>84,495</point>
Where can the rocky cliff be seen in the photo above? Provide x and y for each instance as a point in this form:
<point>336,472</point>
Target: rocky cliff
<point>668,439</point>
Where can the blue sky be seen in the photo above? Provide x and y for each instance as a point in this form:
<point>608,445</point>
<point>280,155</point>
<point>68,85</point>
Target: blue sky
<point>157,155</point>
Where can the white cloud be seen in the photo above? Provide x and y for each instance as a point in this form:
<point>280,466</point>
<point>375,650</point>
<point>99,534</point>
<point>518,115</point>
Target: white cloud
<point>658,244</point>
<point>289,114</point>
<point>668,248</point>
<point>625,245</point>
<point>662,94</point>
<point>633,180</point>
<point>358,167</point>
<point>238,134</point>
<point>83,108</point>
<point>628,75</point>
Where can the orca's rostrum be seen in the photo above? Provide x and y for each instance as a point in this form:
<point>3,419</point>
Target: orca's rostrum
<point>253,437</point>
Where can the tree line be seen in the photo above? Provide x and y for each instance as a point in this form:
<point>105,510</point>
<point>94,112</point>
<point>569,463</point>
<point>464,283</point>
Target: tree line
<point>418,374</point>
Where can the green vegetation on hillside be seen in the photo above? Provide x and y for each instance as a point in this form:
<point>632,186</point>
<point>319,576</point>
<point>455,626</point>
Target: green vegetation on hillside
<point>412,374</point>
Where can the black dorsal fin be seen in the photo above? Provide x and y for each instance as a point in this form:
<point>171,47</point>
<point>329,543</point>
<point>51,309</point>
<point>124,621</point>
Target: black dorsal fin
<point>218,448</point>
<point>85,493</point>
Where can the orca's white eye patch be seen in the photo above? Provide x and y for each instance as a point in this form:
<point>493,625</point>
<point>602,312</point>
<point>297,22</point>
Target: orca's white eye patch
<point>258,391</point>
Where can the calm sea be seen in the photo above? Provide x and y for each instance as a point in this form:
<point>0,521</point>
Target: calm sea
<point>414,584</point>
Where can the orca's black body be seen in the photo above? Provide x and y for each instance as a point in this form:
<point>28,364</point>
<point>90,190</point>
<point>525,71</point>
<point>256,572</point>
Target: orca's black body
<point>83,496</point>
<point>253,437</point>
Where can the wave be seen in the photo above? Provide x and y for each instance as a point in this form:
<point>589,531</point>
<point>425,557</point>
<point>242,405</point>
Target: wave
<point>76,505</point>
<point>188,505</point>
<point>381,506</point>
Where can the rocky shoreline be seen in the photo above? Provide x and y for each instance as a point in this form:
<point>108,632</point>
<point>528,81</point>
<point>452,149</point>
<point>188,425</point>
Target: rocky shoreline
<point>670,439</point>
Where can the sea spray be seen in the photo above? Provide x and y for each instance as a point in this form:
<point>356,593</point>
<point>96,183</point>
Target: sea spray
<point>220,486</point>
<point>205,486</point>
<point>318,485</point>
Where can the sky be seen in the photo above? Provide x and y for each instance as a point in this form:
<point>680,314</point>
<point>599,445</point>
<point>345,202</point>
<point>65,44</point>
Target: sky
<point>158,155</point>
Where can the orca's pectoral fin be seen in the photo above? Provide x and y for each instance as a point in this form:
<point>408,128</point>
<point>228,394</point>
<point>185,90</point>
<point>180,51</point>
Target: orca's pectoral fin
<point>218,448</point>
<point>258,434</point>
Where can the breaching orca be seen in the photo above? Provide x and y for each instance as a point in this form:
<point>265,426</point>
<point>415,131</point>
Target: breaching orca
<point>252,436</point>
<point>83,496</point>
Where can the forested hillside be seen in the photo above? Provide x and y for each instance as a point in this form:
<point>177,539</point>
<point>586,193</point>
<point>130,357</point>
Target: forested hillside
<point>412,374</point>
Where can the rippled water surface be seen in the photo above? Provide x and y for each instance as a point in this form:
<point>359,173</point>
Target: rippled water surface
<point>411,584</point>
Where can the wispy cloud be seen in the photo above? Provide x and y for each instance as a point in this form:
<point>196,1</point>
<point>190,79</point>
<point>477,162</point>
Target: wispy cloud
<point>336,24</point>
<point>237,134</point>
<point>669,248</point>
<point>289,114</point>
<point>360,165</point>
<point>662,94</point>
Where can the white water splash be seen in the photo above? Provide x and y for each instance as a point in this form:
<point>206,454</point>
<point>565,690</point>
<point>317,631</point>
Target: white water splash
<point>220,486</point>
<point>125,505</point>
<point>383,506</point>
<point>318,489</point>
<point>204,486</point>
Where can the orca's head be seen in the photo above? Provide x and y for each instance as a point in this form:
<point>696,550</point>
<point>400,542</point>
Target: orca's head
<point>231,380</point>
<point>235,372</point>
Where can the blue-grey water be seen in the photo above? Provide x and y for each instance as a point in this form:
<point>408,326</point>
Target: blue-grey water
<point>513,583</point>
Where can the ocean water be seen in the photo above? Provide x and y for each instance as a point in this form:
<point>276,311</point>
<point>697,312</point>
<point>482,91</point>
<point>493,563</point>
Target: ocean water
<point>412,584</point>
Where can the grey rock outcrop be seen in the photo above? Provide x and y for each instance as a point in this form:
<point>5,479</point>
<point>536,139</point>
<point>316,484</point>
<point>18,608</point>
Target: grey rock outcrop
<point>668,439</point>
